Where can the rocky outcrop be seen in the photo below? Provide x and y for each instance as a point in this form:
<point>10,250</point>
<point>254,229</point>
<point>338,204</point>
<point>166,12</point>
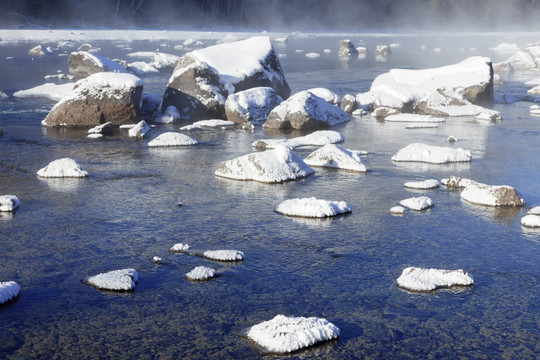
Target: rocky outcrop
<point>83,63</point>
<point>252,105</point>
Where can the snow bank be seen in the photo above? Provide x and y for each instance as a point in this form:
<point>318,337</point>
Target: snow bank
<point>335,156</point>
<point>224,255</point>
<point>118,280</point>
<point>432,154</point>
<point>417,203</point>
<point>49,90</point>
<point>416,118</point>
<point>172,139</point>
<point>419,279</point>
<point>285,334</point>
<point>423,185</point>
<point>179,247</point>
<point>312,207</point>
<point>9,202</point>
<point>271,166</point>
<point>317,138</point>
<point>491,195</point>
<point>60,168</point>
<point>9,290</point>
<point>201,273</point>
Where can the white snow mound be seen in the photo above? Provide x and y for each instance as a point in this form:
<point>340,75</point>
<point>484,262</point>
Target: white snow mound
<point>118,280</point>
<point>423,185</point>
<point>398,210</point>
<point>417,203</point>
<point>531,221</point>
<point>201,273</point>
<point>172,139</point>
<point>312,207</point>
<point>9,202</point>
<point>491,195</point>
<point>8,291</point>
<point>432,154</point>
<point>419,279</point>
<point>60,168</point>
<point>335,156</point>
<point>224,255</point>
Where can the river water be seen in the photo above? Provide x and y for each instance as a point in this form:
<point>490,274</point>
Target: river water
<point>342,269</point>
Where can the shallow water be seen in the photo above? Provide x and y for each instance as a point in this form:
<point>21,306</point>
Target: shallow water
<point>342,269</point>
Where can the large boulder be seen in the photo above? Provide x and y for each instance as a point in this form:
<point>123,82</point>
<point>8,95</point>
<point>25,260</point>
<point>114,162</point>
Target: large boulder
<point>97,99</point>
<point>305,111</point>
<point>204,78</point>
<point>252,105</point>
<point>84,63</point>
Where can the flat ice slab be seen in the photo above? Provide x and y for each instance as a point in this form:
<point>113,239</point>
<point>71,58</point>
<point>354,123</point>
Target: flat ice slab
<point>118,280</point>
<point>224,255</point>
<point>9,290</point>
<point>419,279</point>
<point>335,156</point>
<point>61,168</point>
<point>172,139</point>
<point>417,203</point>
<point>317,138</point>
<point>312,207</point>
<point>423,185</point>
<point>432,154</point>
<point>9,202</point>
<point>285,334</point>
<point>201,273</point>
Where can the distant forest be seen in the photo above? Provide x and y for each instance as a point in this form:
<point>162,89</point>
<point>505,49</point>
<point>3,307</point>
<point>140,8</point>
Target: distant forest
<point>312,15</point>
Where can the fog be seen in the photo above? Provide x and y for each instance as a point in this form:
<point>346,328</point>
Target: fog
<point>274,15</point>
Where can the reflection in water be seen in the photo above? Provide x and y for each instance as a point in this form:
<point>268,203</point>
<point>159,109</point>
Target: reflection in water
<point>63,184</point>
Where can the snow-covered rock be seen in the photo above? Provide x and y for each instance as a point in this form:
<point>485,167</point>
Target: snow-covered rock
<point>9,202</point>
<point>271,166</point>
<point>62,168</point>
<point>285,334</point>
<point>335,156</point>
<point>208,124</point>
<point>397,210</point>
<point>99,98</point>
<point>117,280</point>
<point>534,110</point>
<point>505,48</point>
<point>312,207</point>
<point>382,51</point>
<point>384,112</point>
<point>106,128</point>
<point>224,255</point>
<point>163,61</point>
<point>456,182</point>
<point>41,50</point>
<point>170,115</point>
<point>488,116</point>
<point>347,48</point>
<point>526,59</point>
<point>415,118</point>
<point>534,211</point>
<point>172,139</point>
<point>423,185</point>
<point>252,105</point>
<point>305,111</point>
<point>531,221</point>
<point>420,279</point>
<point>316,138</point>
<point>451,139</point>
<point>432,154</point>
<point>84,63</point>
<point>95,136</point>
<point>9,290</point>
<point>179,247</point>
<point>417,203</point>
<point>349,104</point>
<point>491,195</point>
<point>201,273</point>
<point>313,55</point>
<point>327,95</point>
<point>141,68</point>
<point>51,91</point>
<point>140,130</point>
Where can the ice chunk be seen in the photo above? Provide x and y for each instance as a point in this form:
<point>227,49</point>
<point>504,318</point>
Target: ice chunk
<point>432,154</point>
<point>224,255</point>
<point>201,273</point>
<point>311,207</point>
<point>9,202</point>
<point>317,138</point>
<point>334,156</point>
<point>423,185</point>
<point>172,139</point>
<point>65,167</point>
<point>9,290</point>
<point>419,279</point>
<point>417,203</point>
<point>118,280</point>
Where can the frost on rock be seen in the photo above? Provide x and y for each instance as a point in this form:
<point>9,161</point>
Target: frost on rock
<point>419,279</point>
<point>432,154</point>
<point>172,139</point>
<point>9,290</point>
<point>61,168</point>
<point>417,203</point>
<point>179,247</point>
<point>491,195</point>
<point>117,280</point>
<point>224,255</point>
<point>140,130</point>
<point>456,182</point>
<point>312,207</point>
<point>531,221</point>
<point>335,156</point>
<point>285,334</point>
<point>423,185</point>
<point>317,138</point>
<point>271,166</point>
<point>201,273</point>
<point>9,202</point>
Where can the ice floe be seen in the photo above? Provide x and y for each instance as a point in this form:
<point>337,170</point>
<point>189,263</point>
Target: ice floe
<point>61,168</point>
<point>270,166</point>
<point>9,202</point>
<point>311,207</point>
<point>423,185</point>
<point>432,154</point>
<point>172,139</point>
<point>284,334</point>
<point>9,290</point>
<point>51,91</point>
<point>335,156</point>
<point>201,273</point>
<point>417,203</point>
<point>317,138</point>
<point>224,255</point>
<point>117,280</point>
<point>491,195</point>
<point>420,279</point>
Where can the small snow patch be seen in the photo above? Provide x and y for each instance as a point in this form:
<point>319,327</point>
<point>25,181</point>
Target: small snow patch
<point>311,207</point>
<point>172,139</point>
<point>531,221</point>
<point>118,280</point>
<point>419,279</point>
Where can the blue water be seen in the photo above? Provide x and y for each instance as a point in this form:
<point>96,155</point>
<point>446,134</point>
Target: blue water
<point>342,269</point>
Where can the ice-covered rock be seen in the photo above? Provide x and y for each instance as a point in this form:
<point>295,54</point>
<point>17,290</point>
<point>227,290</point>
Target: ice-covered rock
<point>305,111</point>
<point>492,195</point>
<point>51,91</point>
<point>224,255</point>
<point>531,221</point>
<point>9,290</point>
<point>456,182</point>
<point>316,138</point>
<point>347,48</point>
<point>117,280</point>
<point>140,130</point>
<point>312,207</point>
<point>423,185</point>
<point>172,139</point>
<point>417,203</point>
<point>201,273</point>
<point>335,156</point>
<point>99,98</point>
<point>106,128</point>
<point>415,118</point>
<point>418,152</point>
<point>271,166</point>
<point>62,168</point>
<point>9,202</point>
<point>84,63</point>
<point>285,334</point>
<point>327,95</point>
<point>170,115</point>
<point>420,279</point>
<point>251,105</point>
<point>179,247</point>
<point>397,210</point>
